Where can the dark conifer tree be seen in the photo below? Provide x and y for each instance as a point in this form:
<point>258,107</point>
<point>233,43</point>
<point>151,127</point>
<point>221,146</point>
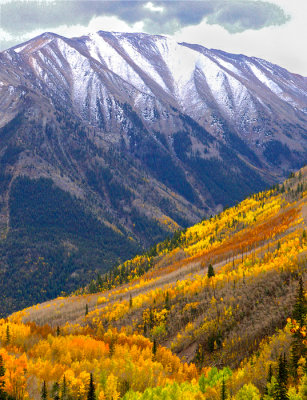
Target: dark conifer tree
<point>298,349</point>
<point>86,309</point>
<point>44,394</point>
<point>64,389</point>
<point>210,272</point>
<point>99,281</point>
<point>269,378</point>
<point>154,347</point>
<point>280,390</point>
<point>55,391</point>
<point>299,311</point>
<point>91,389</point>
<point>223,390</point>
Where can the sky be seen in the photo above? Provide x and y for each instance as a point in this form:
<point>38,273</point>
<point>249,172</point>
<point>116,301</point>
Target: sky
<point>275,30</point>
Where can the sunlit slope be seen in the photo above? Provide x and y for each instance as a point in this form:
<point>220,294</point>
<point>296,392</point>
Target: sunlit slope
<point>257,252</point>
<point>167,331</point>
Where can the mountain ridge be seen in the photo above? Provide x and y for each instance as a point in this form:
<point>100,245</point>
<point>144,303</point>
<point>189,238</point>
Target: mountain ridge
<point>146,135</point>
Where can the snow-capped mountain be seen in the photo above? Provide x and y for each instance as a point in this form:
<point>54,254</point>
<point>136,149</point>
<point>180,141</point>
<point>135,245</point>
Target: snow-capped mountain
<point>132,135</point>
<point>149,72</point>
<point>154,99</point>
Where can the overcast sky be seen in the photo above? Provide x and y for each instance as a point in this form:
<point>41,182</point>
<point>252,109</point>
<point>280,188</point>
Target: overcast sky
<point>275,30</point>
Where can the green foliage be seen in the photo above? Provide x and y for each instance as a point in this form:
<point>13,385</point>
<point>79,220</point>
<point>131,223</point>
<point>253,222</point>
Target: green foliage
<point>202,383</point>
<point>173,391</point>
<point>248,392</point>
<point>215,377</point>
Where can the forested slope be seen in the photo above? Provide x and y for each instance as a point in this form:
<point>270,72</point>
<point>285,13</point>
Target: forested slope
<point>216,312</point>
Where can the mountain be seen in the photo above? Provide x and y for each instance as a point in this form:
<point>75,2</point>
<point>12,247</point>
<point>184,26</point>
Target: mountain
<point>178,332</point>
<point>110,142</point>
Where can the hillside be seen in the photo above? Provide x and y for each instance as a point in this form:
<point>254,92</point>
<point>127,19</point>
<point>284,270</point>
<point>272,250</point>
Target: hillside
<point>173,330</point>
<point>137,136</point>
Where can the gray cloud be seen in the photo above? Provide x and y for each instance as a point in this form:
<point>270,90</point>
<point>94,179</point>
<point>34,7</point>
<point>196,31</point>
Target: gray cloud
<point>19,17</point>
<point>240,16</point>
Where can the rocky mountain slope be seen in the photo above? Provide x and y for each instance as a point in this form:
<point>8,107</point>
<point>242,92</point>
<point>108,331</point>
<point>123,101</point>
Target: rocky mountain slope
<point>111,136</point>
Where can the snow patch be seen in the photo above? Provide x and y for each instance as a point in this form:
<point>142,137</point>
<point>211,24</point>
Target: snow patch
<point>104,53</point>
<point>142,62</point>
<point>260,75</point>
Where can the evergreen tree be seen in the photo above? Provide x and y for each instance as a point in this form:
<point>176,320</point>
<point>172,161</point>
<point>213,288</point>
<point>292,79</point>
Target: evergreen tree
<point>44,394</point>
<point>269,378</point>
<point>92,287</point>
<point>299,311</point>
<point>91,389</point>
<point>64,389</point>
<point>154,347</point>
<point>223,390</point>
<point>99,281</point>
<point>210,272</point>
<point>55,391</point>
<point>86,309</point>
<point>280,390</point>
<point>58,332</point>
<point>298,349</point>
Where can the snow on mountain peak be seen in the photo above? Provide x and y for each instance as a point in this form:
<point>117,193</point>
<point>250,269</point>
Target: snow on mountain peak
<point>145,67</point>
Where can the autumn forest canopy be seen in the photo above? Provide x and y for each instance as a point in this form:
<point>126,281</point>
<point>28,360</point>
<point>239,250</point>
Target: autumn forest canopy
<point>217,311</point>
